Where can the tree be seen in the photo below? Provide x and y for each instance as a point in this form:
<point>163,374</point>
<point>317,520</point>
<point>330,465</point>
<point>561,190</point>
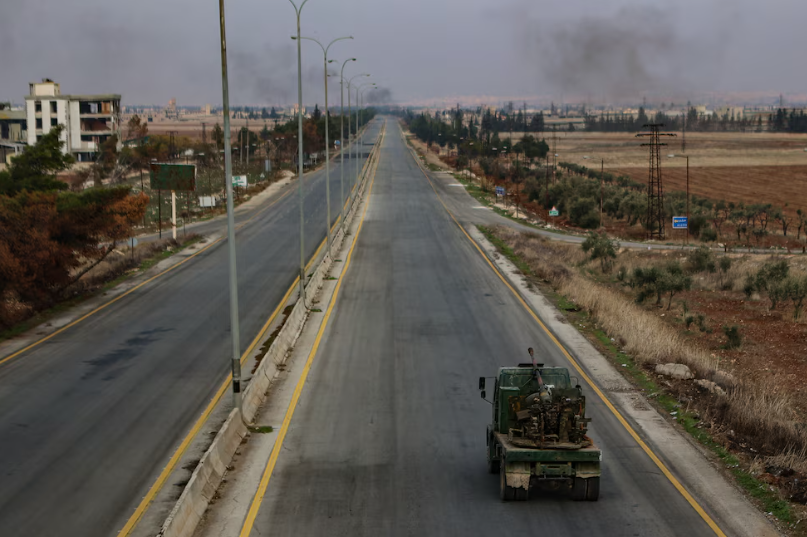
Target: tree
<point>136,128</point>
<point>599,246</point>
<point>36,168</point>
<point>218,136</point>
<point>673,280</point>
<point>317,115</point>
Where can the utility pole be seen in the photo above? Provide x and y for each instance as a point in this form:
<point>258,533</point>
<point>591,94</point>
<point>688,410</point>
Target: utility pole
<point>655,188</point>
<point>602,180</point>
<point>554,151</point>
<point>228,183</point>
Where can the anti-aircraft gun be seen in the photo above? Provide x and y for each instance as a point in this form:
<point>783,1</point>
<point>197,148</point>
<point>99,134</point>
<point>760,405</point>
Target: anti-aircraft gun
<point>538,435</point>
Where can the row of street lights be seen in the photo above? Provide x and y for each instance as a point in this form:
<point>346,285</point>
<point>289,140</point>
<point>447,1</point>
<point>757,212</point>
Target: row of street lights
<point>233,279</point>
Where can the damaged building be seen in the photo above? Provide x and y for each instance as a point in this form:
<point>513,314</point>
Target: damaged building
<point>89,120</point>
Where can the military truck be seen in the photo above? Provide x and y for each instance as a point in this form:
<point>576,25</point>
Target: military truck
<point>538,435</point>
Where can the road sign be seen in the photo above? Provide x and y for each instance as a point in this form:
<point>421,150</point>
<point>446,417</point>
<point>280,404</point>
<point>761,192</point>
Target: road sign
<point>500,191</point>
<point>173,177</point>
<point>207,201</point>
<point>240,180</point>
<point>680,222</point>
<point>554,212</point>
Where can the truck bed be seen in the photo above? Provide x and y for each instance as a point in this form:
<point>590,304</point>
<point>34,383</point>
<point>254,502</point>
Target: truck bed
<point>515,453</point>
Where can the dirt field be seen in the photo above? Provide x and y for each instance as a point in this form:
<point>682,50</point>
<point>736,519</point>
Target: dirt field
<point>192,128</point>
<point>779,185</point>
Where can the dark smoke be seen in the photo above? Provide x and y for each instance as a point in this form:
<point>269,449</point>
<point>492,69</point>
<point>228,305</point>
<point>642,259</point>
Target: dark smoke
<point>638,50</point>
<point>379,96</point>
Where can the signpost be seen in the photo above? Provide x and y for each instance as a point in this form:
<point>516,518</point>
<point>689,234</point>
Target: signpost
<point>680,222</point>
<point>172,177</point>
<point>240,180</point>
<point>500,191</point>
<point>553,212</point>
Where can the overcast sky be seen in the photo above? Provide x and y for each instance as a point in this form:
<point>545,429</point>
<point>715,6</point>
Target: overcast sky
<point>152,50</point>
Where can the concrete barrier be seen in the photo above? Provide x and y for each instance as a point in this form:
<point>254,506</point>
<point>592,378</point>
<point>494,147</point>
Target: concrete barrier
<point>206,478</point>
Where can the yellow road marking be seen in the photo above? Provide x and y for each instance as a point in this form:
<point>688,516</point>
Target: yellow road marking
<point>254,507</point>
<point>130,291</point>
<point>163,477</point>
<point>677,484</point>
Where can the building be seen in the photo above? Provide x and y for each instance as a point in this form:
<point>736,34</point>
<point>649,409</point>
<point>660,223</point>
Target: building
<point>13,132</point>
<point>89,120</point>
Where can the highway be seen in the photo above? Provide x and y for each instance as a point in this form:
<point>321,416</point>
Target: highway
<point>388,437</point>
<point>89,418</point>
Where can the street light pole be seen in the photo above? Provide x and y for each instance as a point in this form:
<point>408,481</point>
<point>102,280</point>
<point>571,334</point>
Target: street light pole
<point>360,98</point>
<point>228,182</point>
<point>327,141</point>
<point>349,110</point>
<point>342,140</point>
<point>300,148</point>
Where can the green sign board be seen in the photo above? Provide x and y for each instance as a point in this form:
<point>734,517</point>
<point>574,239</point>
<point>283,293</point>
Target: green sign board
<point>553,212</point>
<point>173,177</point>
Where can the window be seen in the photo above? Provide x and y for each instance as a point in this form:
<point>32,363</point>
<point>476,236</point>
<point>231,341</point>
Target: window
<point>54,122</point>
<point>39,123</point>
<point>37,106</point>
<point>53,107</point>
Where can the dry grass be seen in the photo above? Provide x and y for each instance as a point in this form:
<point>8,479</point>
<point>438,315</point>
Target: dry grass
<point>756,411</point>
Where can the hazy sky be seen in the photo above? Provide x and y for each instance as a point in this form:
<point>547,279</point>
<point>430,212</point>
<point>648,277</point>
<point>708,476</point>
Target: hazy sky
<point>152,50</point>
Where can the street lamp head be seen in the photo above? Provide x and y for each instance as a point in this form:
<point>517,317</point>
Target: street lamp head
<point>294,38</point>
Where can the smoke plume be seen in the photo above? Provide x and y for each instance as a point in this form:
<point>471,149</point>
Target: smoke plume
<point>638,50</point>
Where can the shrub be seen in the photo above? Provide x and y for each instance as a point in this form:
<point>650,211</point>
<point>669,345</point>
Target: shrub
<point>701,260</point>
<point>581,212</point>
<point>733,337</point>
<point>599,246</point>
<point>688,320</point>
<point>708,234</point>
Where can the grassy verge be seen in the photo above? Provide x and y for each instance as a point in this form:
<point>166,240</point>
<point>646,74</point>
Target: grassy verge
<point>46,315</point>
<point>766,498</point>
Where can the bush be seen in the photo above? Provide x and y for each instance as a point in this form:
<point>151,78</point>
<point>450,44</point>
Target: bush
<point>582,213</point>
<point>701,260</point>
<point>708,234</point>
<point>733,336</point>
<point>688,320</point>
<point>697,225</point>
<point>599,246</point>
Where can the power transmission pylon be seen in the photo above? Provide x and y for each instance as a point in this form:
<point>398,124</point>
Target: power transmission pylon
<point>655,188</point>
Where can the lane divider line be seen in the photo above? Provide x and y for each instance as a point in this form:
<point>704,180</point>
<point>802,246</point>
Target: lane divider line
<point>650,453</point>
<point>257,500</point>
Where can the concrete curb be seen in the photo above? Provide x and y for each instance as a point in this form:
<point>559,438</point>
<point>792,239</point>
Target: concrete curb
<point>207,477</point>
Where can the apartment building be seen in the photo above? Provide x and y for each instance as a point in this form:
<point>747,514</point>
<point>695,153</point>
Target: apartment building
<point>89,120</point>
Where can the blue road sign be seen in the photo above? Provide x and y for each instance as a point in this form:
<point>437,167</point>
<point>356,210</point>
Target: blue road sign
<point>680,222</point>
<point>500,191</point>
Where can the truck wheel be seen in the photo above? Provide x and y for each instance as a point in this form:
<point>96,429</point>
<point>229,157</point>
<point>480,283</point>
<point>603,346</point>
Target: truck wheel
<point>592,489</point>
<point>579,489</point>
<point>507,494</point>
<point>522,494</point>
<point>493,466</point>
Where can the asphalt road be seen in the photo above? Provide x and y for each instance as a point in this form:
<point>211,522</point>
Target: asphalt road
<point>89,418</point>
<point>388,437</point>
